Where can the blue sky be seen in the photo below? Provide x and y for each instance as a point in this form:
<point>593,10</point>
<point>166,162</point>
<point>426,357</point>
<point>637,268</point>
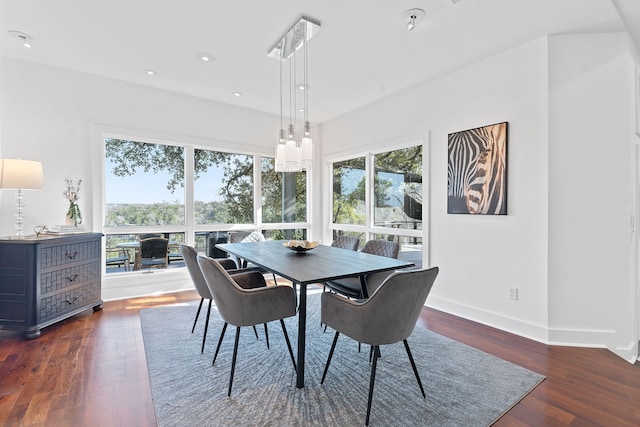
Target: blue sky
<point>126,190</point>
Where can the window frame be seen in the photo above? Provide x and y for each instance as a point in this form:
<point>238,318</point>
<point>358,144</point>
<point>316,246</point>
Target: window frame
<point>369,228</point>
<point>189,228</point>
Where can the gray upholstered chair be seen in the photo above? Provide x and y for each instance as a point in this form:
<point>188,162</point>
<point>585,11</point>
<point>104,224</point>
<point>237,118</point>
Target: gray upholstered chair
<point>346,242</point>
<point>244,237</point>
<point>248,237</point>
<point>190,256</point>
<point>246,307</point>
<point>352,286</point>
<point>388,316</point>
<point>343,242</point>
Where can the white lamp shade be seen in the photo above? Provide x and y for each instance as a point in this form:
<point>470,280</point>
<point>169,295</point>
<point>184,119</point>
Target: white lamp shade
<point>306,153</point>
<point>21,174</point>
<point>280,157</point>
<point>291,156</point>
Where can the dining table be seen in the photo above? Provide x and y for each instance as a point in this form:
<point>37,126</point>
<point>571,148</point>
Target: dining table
<point>321,264</point>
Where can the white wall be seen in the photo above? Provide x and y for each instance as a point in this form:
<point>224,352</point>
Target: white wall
<point>565,243</point>
<point>591,200</point>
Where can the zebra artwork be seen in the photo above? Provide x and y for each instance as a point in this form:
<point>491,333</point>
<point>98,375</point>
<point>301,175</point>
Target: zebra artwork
<point>477,171</point>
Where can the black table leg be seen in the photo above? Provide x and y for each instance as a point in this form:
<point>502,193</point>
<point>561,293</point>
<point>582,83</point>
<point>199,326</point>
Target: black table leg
<point>364,293</point>
<point>302,326</point>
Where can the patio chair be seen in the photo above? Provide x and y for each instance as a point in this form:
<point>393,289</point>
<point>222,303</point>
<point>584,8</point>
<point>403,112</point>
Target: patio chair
<point>118,257</point>
<point>153,253</point>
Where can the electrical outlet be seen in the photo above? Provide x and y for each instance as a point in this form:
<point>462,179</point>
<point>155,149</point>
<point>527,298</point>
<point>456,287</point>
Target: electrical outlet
<point>513,294</point>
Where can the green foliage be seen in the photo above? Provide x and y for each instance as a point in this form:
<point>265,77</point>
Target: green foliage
<point>272,194</point>
<point>348,205</point>
<point>236,190</point>
<point>129,156</point>
<point>144,214</point>
<point>74,213</point>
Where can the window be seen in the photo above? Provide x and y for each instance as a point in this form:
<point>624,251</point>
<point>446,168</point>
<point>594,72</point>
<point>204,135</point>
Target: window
<point>349,191</point>
<point>223,188</point>
<point>383,201</point>
<point>196,196</point>
<point>284,195</point>
<point>144,184</point>
<point>398,188</point>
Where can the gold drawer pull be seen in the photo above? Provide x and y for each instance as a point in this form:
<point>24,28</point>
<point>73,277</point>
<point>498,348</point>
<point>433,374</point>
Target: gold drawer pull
<point>72,278</point>
<point>72,256</point>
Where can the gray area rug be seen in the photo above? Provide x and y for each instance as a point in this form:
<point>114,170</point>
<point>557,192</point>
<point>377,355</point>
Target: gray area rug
<point>464,386</point>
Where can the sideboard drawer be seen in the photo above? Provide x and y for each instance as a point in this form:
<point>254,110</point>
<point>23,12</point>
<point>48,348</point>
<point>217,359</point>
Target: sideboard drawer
<point>55,256</point>
<point>56,304</point>
<point>54,280</point>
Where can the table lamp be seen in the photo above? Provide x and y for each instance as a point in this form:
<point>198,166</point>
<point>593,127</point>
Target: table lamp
<point>20,175</point>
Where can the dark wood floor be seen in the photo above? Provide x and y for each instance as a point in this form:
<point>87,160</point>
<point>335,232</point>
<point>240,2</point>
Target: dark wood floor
<point>91,370</point>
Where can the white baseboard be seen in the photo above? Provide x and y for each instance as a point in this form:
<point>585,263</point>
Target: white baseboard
<point>118,286</point>
<point>495,320</point>
<point>559,337</point>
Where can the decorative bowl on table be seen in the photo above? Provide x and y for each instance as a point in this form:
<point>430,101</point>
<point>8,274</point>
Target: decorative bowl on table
<point>300,246</point>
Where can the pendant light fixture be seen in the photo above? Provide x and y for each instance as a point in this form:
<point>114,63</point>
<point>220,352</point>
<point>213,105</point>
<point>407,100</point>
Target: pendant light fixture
<point>294,147</point>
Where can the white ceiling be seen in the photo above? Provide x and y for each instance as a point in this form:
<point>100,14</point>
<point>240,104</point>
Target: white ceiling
<point>363,51</point>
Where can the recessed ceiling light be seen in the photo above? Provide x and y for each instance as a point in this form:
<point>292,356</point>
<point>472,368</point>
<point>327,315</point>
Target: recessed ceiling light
<point>150,72</point>
<point>301,110</point>
<point>205,57</point>
<point>25,38</point>
<point>237,93</point>
<point>302,86</point>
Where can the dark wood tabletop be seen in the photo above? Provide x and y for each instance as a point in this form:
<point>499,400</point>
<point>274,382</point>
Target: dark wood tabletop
<point>321,264</point>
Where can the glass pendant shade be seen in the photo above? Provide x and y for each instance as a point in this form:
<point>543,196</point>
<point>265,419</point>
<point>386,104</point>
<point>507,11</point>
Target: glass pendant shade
<point>280,157</point>
<point>291,162</point>
<point>296,152</point>
<point>306,153</point>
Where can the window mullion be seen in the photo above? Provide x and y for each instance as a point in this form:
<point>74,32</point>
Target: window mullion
<point>189,198</point>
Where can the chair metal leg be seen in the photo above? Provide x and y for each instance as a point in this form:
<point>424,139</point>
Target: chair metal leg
<point>197,314</point>
<point>286,338</point>
<point>233,360</point>
<point>266,335</point>
<point>206,327</point>
<point>255,331</point>
<point>371,353</point>
<point>333,347</point>
<point>376,355</point>
<point>224,329</point>
<point>413,365</point>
